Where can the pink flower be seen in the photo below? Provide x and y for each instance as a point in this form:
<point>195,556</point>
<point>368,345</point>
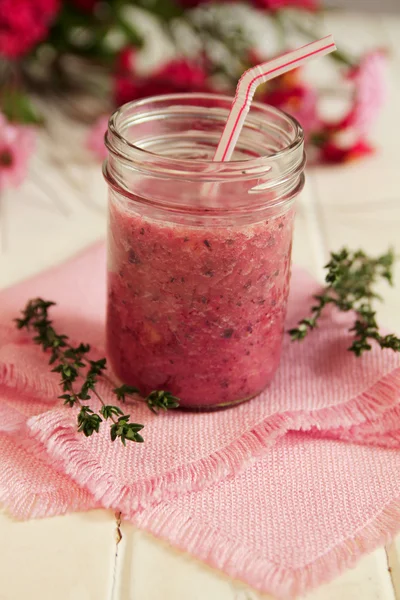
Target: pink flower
<point>278,4</point>
<point>16,146</point>
<point>345,140</point>
<point>370,93</point>
<point>23,24</point>
<point>95,138</point>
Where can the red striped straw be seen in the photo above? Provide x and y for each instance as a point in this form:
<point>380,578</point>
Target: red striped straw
<point>252,78</point>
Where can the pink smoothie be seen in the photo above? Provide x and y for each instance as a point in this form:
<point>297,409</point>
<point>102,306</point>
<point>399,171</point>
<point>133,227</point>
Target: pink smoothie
<point>194,310</point>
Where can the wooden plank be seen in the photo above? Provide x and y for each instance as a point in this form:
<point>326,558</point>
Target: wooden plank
<point>68,557</point>
<point>393,558</point>
<point>369,580</point>
<point>149,569</point>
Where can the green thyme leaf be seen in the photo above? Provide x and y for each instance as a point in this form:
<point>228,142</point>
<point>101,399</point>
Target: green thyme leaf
<point>125,390</point>
<point>351,279</point>
<point>159,399</point>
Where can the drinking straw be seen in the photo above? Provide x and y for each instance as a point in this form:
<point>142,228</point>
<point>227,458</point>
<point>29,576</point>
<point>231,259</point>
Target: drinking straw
<point>252,78</point>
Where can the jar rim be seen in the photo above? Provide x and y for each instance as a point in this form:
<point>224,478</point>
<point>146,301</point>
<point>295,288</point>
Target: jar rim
<point>124,149</point>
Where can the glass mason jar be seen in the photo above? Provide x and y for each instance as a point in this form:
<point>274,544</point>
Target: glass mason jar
<point>199,251</point>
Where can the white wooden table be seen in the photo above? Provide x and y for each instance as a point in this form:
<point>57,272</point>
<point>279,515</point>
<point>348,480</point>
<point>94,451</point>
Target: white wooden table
<point>62,207</point>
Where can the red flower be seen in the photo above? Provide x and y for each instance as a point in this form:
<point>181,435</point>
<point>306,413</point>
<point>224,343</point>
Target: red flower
<point>24,23</point>
<point>126,60</point>
<point>277,4</point>
<point>181,75</point>
<point>125,89</point>
<point>334,153</point>
<point>178,75</point>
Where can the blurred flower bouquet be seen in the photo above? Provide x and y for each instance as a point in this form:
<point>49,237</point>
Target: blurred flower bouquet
<point>120,50</point>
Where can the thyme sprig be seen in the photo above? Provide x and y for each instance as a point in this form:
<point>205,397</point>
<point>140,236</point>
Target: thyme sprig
<point>79,376</point>
<point>351,279</point>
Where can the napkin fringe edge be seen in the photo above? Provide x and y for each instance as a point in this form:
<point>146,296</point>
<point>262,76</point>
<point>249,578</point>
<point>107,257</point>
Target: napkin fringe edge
<point>62,442</point>
<point>264,576</point>
<point>32,505</point>
<point>367,406</point>
<point>29,381</point>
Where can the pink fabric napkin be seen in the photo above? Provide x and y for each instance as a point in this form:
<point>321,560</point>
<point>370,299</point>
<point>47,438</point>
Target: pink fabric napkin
<point>282,512</point>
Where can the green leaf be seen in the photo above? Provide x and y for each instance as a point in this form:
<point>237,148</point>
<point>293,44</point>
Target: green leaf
<point>159,399</point>
<point>83,348</point>
<point>53,358</point>
<point>125,390</point>
<point>108,411</point>
<point>351,278</point>
<point>97,366</point>
<point>88,422</point>
<point>126,431</point>
<point>166,10</point>
<point>126,26</point>
<point>69,400</point>
<point>17,107</point>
